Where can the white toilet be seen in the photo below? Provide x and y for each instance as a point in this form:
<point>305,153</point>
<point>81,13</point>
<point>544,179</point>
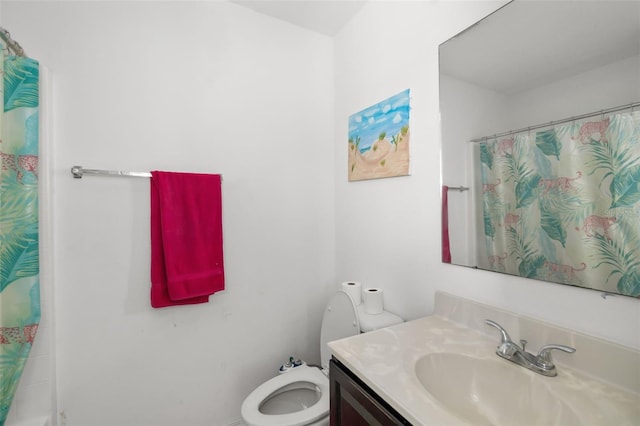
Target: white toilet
<point>301,396</point>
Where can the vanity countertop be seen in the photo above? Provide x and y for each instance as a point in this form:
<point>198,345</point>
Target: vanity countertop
<point>385,360</point>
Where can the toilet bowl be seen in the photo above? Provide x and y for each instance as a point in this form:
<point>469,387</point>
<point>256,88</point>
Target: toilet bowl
<point>301,395</point>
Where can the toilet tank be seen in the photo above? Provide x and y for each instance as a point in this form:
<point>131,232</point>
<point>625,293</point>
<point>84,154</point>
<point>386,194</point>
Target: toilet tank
<point>369,322</point>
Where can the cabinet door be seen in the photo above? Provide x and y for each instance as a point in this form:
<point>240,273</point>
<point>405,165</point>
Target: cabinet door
<point>353,403</point>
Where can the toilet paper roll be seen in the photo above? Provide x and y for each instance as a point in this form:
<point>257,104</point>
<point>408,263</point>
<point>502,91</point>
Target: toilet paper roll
<point>372,301</point>
<point>353,289</point>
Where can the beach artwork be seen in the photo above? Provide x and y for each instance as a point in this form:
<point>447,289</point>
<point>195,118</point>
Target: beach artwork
<point>379,139</point>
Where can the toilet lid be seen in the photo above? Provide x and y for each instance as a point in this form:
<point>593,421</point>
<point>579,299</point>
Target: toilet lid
<point>340,320</point>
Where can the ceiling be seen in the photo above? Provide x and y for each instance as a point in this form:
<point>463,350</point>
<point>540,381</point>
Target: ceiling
<point>529,43</point>
<point>322,16</point>
<point>568,36</point>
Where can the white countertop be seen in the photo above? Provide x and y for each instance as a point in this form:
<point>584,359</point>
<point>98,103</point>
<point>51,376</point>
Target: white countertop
<point>385,360</point>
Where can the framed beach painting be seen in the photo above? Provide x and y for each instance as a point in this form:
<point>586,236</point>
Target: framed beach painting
<point>379,139</point>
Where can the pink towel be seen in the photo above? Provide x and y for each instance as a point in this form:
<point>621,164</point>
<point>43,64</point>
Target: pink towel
<point>186,238</point>
<point>446,250</point>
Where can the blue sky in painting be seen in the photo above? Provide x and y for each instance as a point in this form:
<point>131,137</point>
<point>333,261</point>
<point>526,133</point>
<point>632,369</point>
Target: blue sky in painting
<point>387,116</point>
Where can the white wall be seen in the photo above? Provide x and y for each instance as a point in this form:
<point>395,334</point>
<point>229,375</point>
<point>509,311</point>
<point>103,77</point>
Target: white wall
<point>388,231</point>
<point>184,86</point>
<point>169,85</point>
<point>467,112</point>
<point>608,86</point>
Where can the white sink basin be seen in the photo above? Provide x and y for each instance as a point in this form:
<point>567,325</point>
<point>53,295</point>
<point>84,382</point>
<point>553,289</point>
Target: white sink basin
<point>492,391</point>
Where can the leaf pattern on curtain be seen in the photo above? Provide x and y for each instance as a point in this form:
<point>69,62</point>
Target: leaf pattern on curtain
<point>563,204</point>
<point>19,233</point>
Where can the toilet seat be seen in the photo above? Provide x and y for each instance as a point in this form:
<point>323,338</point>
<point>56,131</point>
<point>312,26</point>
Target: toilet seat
<point>301,375</point>
<point>340,320</point>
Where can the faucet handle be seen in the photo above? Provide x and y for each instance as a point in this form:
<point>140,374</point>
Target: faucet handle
<point>544,355</point>
<point>507,348</point>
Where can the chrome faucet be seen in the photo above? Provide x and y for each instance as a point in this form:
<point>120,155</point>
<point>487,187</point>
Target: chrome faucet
<point>541,363</point>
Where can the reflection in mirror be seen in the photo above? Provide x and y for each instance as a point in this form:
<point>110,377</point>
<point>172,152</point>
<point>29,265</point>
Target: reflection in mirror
<point>540,115</point>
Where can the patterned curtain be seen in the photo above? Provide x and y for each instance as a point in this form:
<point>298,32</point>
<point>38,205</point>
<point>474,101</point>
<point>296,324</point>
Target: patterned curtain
<point>19,255</point>
<point>563,204</point>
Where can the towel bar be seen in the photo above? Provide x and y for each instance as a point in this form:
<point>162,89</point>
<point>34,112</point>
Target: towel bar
<point>78,172</point>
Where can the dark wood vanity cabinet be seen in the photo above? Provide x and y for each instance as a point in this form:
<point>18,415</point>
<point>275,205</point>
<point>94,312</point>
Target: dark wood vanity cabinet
<point>353,403</point>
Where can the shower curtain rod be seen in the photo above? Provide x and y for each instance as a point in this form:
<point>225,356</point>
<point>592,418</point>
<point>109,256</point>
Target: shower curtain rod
<point>12,45</point>
<point>553,123</point>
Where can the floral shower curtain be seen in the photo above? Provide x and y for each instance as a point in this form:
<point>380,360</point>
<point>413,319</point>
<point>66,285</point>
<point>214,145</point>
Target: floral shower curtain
<point>19,235</point>
<point>563,204</point>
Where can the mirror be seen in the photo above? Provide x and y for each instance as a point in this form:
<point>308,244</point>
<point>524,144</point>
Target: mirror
<point>540,124</point>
